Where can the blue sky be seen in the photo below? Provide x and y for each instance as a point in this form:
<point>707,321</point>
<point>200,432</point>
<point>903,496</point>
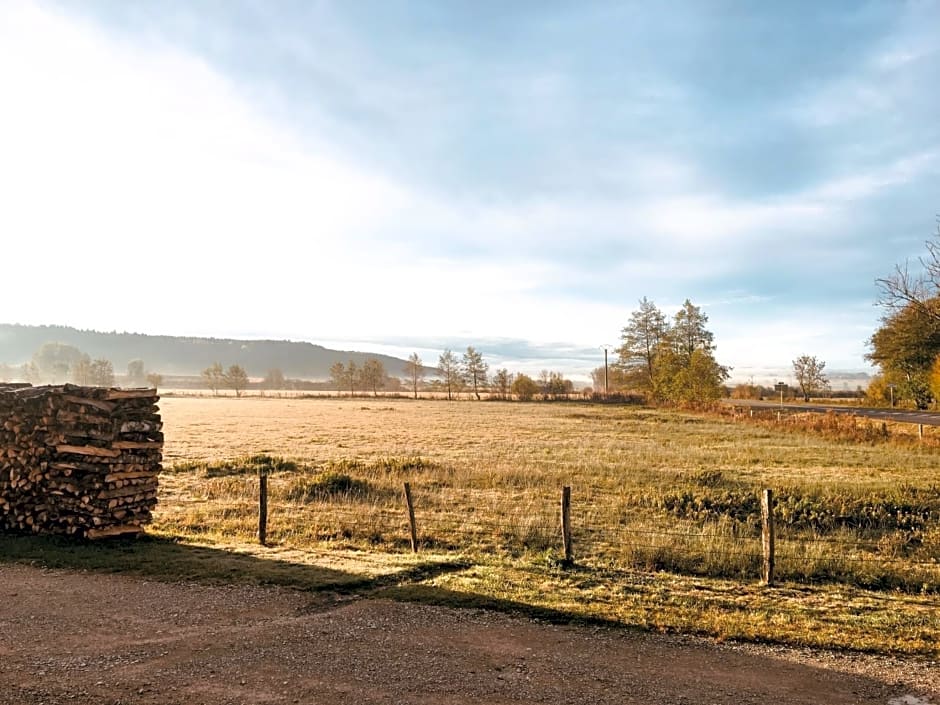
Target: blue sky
<point>421,175</point>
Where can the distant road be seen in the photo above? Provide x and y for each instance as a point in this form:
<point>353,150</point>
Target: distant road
<point>928,418</point>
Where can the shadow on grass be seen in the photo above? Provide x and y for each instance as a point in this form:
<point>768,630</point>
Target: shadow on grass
<point>443,597</point>
<point>165,559</point>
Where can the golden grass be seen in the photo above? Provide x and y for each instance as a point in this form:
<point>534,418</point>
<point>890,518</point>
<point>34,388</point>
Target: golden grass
<point>648,492</point>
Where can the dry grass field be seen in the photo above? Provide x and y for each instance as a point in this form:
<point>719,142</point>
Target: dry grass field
<point>665,510</point>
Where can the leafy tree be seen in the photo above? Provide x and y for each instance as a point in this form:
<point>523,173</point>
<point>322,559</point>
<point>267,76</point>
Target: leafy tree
<point>810,375</point>
<point>415,371</point>
<point>688,332</point>
<point>905,347</point>
<point>235,378</point>
<point>697,379</point>
<point>524,387</point>
<point>212,376</point>
<point>450,371</point>
<point>274,379</point>
<point>878,393</point>
<point>474,369</point>
<point>154,380</point>
<point>135,373</point>
<point>558,386</point>
<point>641,342</point>
<point>373,375</point>
<point>102,373</point>
<point>935,378</point>
<point>502,381</point>
<point>54,360</point>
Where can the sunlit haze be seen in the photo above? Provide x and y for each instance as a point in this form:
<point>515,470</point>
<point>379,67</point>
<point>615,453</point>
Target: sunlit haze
<point>389,176</point>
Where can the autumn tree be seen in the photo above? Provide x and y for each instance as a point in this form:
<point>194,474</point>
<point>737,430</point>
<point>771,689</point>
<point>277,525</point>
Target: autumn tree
<point>373,375</point>
<point>810,375</point>
<point>641,342</point>
<point>905,347</point>
<point>236,379</point>
<point>474,369</point>
<point>935,378</point>
<point>415,371</point>
<point>449,367</point>
<point>212,377</point>
<point>524,387</point>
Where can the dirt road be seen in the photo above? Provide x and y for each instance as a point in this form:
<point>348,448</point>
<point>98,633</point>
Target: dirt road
<point>69,637</point>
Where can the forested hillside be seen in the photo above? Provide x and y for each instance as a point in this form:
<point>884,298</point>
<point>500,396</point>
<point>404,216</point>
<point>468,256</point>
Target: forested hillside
<point>171,355</point>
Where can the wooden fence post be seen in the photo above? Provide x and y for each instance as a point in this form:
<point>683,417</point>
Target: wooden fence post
<point>566,523</point>
<point>920,431</point>
<point>262,506</point>
<point>767,536</point>
<point>411,517</point>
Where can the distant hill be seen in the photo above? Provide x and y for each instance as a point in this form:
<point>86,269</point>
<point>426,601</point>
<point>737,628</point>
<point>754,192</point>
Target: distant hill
<point>171,355</point>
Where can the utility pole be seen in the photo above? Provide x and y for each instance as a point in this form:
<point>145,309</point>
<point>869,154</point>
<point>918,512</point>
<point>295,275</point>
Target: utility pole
<point>605,347</point>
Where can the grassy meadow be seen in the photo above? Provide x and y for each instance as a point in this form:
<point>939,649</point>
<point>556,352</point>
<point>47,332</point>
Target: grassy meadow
<point>665,510</point>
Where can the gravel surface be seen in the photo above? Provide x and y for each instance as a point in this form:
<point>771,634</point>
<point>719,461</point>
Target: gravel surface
<point>72,637</point>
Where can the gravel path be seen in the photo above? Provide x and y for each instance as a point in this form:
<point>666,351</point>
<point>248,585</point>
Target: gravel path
<point>71,637</point>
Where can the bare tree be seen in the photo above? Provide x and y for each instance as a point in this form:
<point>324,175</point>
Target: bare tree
<point>274,379</point>
<point>917,289</point>
<point>502,380</point>
<point>373,375</point>
<point>102,373</point>
<point>338,375</point>
<point>212,377</point>
<point>155,380</point>
<point>809,375</point>
<point>415,371</point>
<point>236,378</point>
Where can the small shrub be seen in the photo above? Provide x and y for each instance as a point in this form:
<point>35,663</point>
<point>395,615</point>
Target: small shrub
<point>328,484</point>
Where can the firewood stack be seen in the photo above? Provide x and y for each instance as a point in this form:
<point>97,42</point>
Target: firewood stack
<point>78,460</point>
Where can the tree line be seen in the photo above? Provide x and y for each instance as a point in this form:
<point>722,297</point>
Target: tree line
<point>57,363</point>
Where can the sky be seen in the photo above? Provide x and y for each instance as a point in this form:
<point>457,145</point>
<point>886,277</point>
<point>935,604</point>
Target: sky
<point>393,176</point>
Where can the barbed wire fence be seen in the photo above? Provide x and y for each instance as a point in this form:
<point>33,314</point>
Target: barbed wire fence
<point>574,537</point>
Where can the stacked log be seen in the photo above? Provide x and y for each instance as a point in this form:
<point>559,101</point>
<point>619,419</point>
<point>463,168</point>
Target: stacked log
<point>78,460</point>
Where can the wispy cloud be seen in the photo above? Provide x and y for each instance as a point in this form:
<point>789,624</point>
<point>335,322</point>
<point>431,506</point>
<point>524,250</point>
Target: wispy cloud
<point>341,171</point>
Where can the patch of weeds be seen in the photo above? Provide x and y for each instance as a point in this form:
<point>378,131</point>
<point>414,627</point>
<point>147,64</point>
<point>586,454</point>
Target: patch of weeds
<point>388,464</point>
<point>327,485</point>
